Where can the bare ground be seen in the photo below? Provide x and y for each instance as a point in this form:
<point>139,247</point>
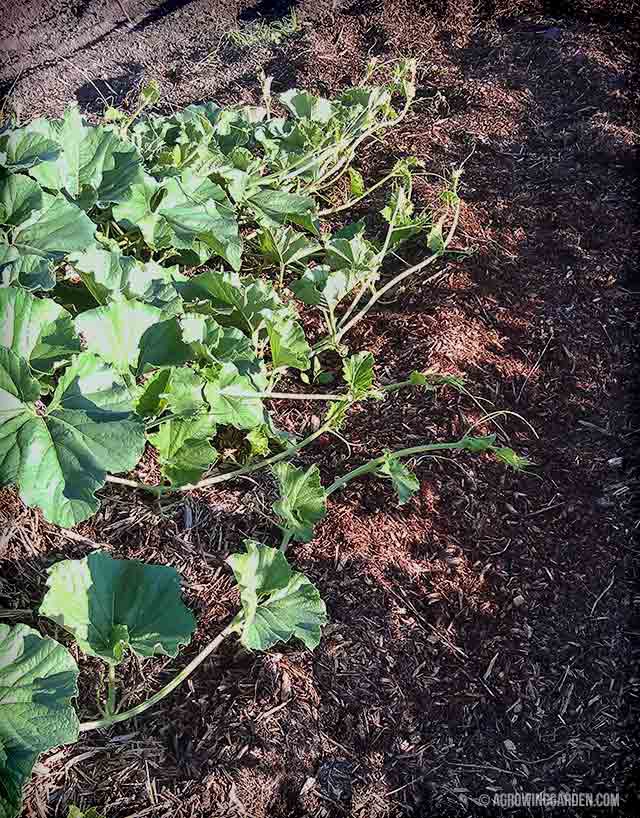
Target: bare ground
<point>482,636</point>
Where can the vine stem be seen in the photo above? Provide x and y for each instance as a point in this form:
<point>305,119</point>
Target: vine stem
<point>401,276</point>
<point>351,202</point>
<point>86,726</point>
<point>110,708</point>
<point>211,647</point>
<point>372,465</point>
<point>222,478</point>
<point>290,396</point>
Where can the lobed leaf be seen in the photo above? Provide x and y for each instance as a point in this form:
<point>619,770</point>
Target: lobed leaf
<point>110,606</point>
<point>60,458</point>
<point>37,682</point>
<point>277,604</point>
<point>303,501</point>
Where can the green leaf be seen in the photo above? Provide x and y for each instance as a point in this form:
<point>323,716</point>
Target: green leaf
<point>76,812</point>
<point>226,394</point>
<point>188,213</point>
<point>150,93</point>
<point>357,371</point>
<point>133,335</point>
<point>276,603</point>
<point>321,286</point>
<point>231,300</point>
<point>289,346</point>
<point>23,148</point>
<point>37,329</point>
<point>276,207</point>
<point>109,275</point>
<point>48,234</point>
<point>37,682</point>
<point>61,457</point>
<point>305,106</point>
<point>303,501</point>
<point>261,570</point>
<point>95,166</point>
<point>478,445</point>
<point>100,600</point>
<point>435,239</point>
<point>183,391</point>
<point>184,448</point>
<point>19,197</point>
<point>285,246</point>
<point>511,458</point>
<point>258,441</point>
<point>355,254</point>
<point>405,483</point>
<point>150,400</point>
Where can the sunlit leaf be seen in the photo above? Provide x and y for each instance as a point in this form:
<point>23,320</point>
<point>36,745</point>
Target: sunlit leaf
<point>103,602</point>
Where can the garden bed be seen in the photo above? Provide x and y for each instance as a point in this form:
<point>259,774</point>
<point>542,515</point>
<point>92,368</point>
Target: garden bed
<point>480,635</point>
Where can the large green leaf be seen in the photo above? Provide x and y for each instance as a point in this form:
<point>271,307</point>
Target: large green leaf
<point>23,148</point>
<point>19,197</point>
<point>276,207</point>
<point>91,158</point>
<point>37,329</point>
<point>108,275</point>
<point>133,335</point>
<point>184,449</point>
<point>276,603</point>
<point>48,234</point>
<point>113,605</point>
<point>303,501</point>
<point>60,458</point>
<point>231,398</point>
<point>37,682</point>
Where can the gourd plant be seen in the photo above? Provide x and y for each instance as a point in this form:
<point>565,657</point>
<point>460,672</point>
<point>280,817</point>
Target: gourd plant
<point>111,607</point>
<point>114,341</point>
<point>157,274</point>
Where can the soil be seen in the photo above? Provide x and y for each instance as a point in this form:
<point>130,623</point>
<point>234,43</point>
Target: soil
<point>482,636</point>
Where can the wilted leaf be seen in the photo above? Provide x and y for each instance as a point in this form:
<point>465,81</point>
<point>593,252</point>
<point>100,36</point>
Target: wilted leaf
<point>302,502</point>
<point>405,483</point>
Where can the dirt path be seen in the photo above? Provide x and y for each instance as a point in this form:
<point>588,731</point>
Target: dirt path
<point>481,636</point>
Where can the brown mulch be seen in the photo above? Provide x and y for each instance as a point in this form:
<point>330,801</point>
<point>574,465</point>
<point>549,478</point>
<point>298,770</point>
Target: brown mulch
<point>482,636</point>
